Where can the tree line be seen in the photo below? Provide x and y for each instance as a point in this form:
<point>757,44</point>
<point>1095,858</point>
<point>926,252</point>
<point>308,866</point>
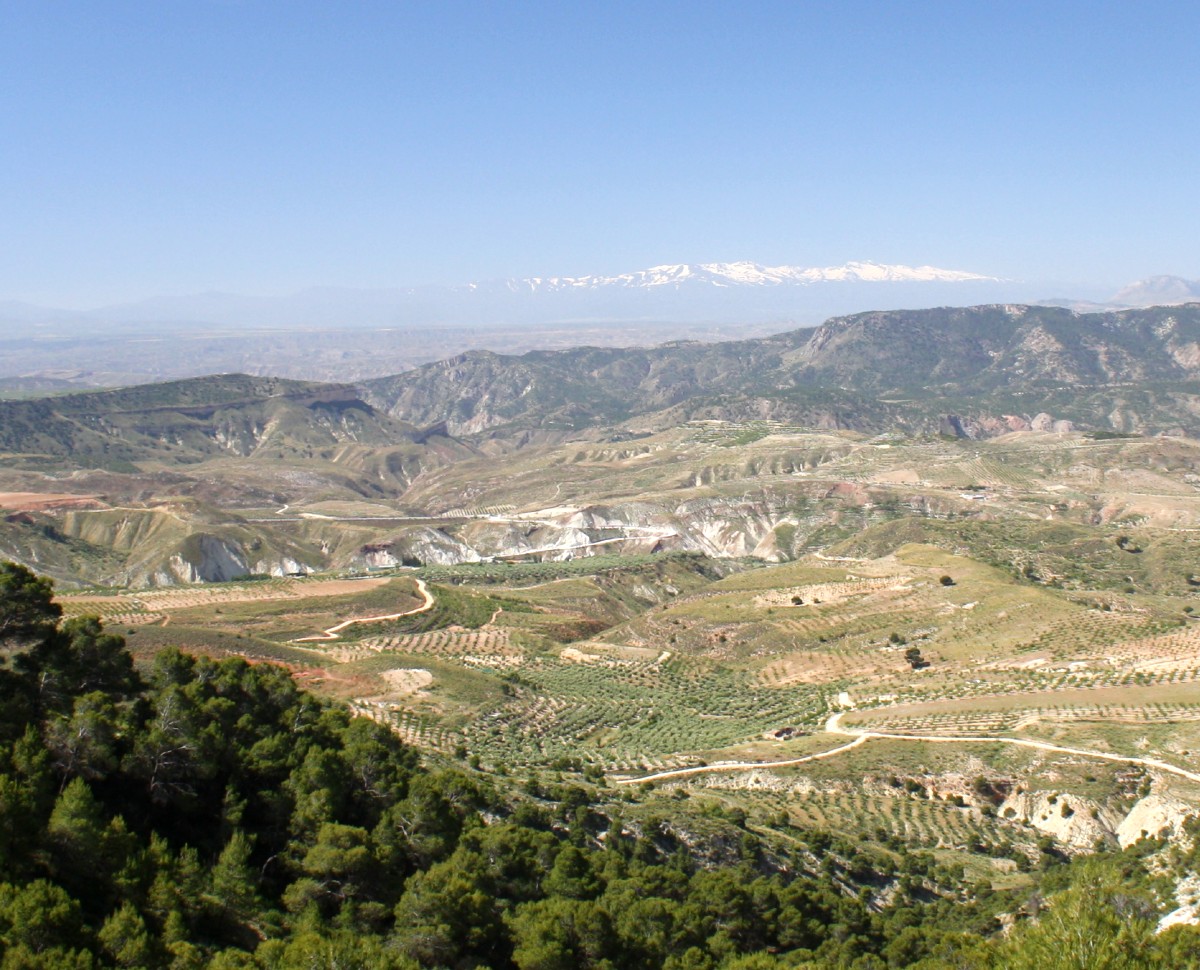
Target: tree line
<point>199,813</point>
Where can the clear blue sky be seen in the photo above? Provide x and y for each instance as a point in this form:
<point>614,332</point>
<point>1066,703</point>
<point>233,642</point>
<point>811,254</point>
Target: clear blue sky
<point>182,145</point>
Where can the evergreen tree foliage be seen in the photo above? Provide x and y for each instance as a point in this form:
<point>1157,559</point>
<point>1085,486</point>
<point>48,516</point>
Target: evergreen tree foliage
<point>205,814</point>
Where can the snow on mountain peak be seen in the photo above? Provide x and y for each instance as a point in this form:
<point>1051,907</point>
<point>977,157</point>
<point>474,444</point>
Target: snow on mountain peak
<point>745,273</point>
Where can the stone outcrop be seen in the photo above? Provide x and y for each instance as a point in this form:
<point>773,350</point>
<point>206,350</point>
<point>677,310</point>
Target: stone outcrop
<point>1152,816</point>
<point>1080,823</point>
<point>1076,822</point>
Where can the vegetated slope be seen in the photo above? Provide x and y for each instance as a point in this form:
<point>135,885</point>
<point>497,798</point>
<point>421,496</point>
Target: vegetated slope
<point>981,348</point>
<point>574,388</point>
<point>176,456</point>
<point>1056,553</point>
<point>187,421</point>
<point>255,445</point>
<point>981,362</point>
<point>168,541</point>
<point>199,813</point>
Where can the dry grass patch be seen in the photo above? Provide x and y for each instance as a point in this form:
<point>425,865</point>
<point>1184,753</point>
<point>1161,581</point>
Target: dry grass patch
<point>403,681</point>
<point>45,501</point>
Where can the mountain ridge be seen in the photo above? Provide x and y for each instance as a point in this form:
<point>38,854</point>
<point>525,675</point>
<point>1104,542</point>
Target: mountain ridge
<point>1162,290</point>
<point>917,370</point>
<point>981,359</point>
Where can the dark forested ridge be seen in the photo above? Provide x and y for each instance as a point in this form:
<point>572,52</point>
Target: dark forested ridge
<point>200,813</point>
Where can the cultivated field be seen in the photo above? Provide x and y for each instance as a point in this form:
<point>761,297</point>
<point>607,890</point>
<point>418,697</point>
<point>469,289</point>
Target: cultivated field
<point>978,598</point>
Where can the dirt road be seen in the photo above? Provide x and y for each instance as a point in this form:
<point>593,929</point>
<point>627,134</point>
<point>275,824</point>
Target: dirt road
<point>834,726</point>
<point>333,632</point>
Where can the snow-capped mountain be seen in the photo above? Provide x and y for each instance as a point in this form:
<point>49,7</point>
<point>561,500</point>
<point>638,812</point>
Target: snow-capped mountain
<point>745,274</point>
<point>738,293</point>
<point>727,293</point>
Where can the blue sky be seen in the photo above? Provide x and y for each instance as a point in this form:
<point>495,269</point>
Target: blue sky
<point>260,147</point>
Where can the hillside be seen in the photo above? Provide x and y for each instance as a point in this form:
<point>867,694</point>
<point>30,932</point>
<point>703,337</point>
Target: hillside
<point>557,454</point>
<point>189,420</point>
<point>152,484</point>
<point>181,812</point>
<point>869,372</point>
<point>985,348</point>
<point>684,642</point>
<point>573,389</point>
<point>1133,370</point>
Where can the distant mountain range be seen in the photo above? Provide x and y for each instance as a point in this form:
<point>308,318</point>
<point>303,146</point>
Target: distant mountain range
<point>1151,291</point>
<point>681,275</point>
<point>342,334</point>
<point>742,292</point>
<point>709,293</point>
<point>1158,291</point>
<point>973,372</point>
<point>968,371</point>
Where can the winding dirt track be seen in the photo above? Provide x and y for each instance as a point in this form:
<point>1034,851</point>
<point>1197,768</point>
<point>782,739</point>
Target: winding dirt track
<point>834,726</point>
<point>333,632</point>
<point>743,765</point>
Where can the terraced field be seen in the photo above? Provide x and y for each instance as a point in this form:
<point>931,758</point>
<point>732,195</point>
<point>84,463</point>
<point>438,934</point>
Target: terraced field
<point>1036,588</point>
<point>623,714</point>
<point>915,821</point>
<point>174,598</point>
<point>763,652</point>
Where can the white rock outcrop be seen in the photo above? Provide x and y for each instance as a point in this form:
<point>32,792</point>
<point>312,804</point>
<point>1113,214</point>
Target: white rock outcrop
<point>1152,816</point>
<point>1077,822</point>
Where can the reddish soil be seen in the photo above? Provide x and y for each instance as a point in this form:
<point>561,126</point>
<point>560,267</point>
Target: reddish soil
<point>44,502</point>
